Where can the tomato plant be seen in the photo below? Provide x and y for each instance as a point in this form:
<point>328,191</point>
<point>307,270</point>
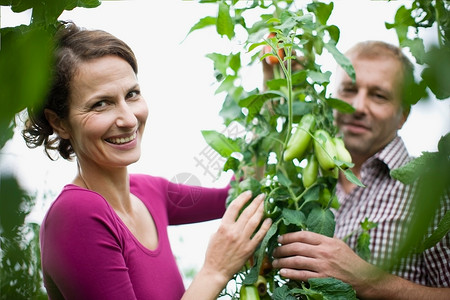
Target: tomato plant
<point>300,181</point>
<point>288,150</point>
<point>272,56</point>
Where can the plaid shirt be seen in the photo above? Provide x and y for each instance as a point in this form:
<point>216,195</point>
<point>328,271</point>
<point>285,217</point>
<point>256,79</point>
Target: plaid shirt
<point>386,202</point>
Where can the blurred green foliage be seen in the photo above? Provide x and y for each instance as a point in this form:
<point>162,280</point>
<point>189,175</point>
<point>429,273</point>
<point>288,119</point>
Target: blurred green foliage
<point>25,69</point>
<point>430,171</point>
<point>25,59</point>
<point>20,256</point>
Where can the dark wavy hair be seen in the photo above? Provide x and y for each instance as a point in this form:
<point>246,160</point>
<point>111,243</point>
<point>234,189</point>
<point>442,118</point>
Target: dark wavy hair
<point>73,46</point>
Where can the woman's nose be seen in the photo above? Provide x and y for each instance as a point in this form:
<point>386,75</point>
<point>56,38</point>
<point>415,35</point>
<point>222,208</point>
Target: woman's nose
<point>126,116</point>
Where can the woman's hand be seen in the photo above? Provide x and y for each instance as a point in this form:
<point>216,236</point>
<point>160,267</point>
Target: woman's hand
<point>236,240</point>
<point>229,248</point>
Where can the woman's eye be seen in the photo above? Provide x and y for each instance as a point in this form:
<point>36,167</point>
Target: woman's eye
<point>99,104</point>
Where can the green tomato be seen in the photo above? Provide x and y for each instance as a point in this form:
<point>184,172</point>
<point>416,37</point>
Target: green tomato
<point>334,173</point>
<point>311,171</point>
<point>324,149</point>
<point>261,285</point>
<point>300,139</point>
<point>342,153</point>
<point>325,197</point>
<point>249,292</point>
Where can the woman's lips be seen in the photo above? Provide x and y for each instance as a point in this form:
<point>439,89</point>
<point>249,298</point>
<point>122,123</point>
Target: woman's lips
<point>122,140</point>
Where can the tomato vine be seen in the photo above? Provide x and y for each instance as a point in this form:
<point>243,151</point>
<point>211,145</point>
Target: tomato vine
<point>274,122</point>
<point>270,117</point>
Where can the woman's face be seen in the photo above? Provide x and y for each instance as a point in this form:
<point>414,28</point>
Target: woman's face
<point>107,113</point>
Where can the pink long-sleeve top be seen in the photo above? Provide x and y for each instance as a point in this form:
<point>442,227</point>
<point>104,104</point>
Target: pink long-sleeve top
<point>88,252</point>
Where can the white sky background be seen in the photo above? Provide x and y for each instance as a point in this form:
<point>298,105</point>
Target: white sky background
<point>178,83</point>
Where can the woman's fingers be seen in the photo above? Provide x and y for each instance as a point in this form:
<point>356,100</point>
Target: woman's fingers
<point>244,222</point>
<point>261,233</point>
<point>235,207</point>
<point>237,237</point>
<point>235,212</point>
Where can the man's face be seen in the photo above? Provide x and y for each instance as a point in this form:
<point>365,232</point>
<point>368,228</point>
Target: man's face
<point>376,97</point>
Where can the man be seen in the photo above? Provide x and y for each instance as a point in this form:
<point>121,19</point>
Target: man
<point>370,135</point>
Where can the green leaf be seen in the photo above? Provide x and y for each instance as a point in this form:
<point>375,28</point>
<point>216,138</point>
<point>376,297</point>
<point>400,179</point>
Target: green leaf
<point>340,105</point>
<point>231,164</point>
<point>312,194</point>
<point>230,110</point>
<point>6,130</point>
<point>431,187</point>
<point>299,77</point>
<point>352,178</point>
<point>341,59</point>
<point>25,60</point>
<point>437,73</point>
<point>254,103</point>
<point>321,10</point>
<point>47,12</point>
<point>299,108</point>
<point>226,85</point>
<point>220,62</point>
<point>368,225</point>
<point>334,32</point>
<point>417,49</point>
<point>444,144</point>
<point>219,142</point>
<point>275,84</point>
<point>319,77</point>
<point>294,217</point>
<point>402,20</point>
<point>411,171</point>
<point>321,221</point>
<point>255,45</point>
<point>362,245</point>
<point>332,288</point>
<point>254,272</point>
<point>283,179</point>
<point>225,25</point>
<point>282,293</point>
<point>363,240</point>
<point>250,184</point>
<point>202,23</point>
<point>288,22</point>
<point>235,62</point>
<point>442,229</point>
<point>12,206</point>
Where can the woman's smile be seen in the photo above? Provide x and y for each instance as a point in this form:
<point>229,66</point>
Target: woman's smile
<point>122,140</point>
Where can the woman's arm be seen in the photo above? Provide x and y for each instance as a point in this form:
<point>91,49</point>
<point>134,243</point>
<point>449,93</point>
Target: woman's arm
<point>230,247</point>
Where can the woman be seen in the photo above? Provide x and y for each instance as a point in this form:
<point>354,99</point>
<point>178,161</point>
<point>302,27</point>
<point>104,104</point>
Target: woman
<point>105,236</point>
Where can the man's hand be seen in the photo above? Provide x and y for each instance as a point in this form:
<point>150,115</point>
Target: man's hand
<point>304,254</point>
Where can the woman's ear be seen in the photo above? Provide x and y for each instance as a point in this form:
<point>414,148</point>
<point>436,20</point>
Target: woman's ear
<point>59,125</point>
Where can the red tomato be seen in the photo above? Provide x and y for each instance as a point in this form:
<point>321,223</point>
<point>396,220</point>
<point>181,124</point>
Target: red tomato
<point>272,59</point>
